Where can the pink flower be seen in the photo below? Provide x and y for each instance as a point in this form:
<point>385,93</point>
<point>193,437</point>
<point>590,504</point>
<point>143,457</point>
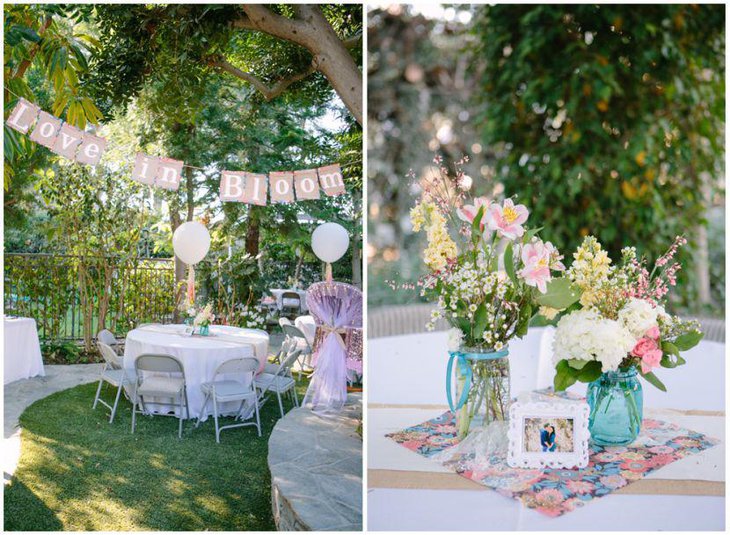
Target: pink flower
<point>507,220</point>
<point>555,257</point>
<point>649,353</point>
<point>536,258</point>
<point>468,212</point>
<point>653,333</point>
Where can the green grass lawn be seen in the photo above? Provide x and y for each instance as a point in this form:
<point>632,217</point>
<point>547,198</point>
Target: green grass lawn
<point>78,472</point>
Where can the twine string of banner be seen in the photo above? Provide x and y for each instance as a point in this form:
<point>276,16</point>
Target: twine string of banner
<point>84,147</point>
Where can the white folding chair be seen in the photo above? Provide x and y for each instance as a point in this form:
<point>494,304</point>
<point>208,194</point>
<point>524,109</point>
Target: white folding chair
<point>291,304</point>
<point>226,390</point>
<point>112,373</point>
<point>278,379</point>
<point>107,337</point>
<point>158,386</point>
<point>305,349</point>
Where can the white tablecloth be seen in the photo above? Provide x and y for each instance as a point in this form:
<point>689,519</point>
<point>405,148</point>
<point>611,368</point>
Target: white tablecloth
<point>199,355</point>
<point>279,292</point>
<point>22,355</point>
<point>406,376</point>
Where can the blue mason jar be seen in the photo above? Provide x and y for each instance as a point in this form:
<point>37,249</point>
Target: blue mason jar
<point>204,330</point>
<point>616,402</point>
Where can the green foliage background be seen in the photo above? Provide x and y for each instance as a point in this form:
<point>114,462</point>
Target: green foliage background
<point>606,120</point>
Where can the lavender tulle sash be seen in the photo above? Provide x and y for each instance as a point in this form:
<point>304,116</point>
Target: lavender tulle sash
<point>337,311</point>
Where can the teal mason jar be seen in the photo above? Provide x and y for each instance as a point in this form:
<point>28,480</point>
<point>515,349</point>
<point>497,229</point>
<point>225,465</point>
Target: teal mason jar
<point>616,402</point>
<point>204,330</point>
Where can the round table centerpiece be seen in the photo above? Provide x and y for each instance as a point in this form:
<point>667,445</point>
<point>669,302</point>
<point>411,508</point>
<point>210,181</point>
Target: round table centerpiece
<point>489,275</point>
<point>618,332</point>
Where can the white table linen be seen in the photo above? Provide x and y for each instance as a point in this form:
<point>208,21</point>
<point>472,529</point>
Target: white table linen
<point>200,356</point>
<point>278,294</point>
<point>406,376</point>
<point>22,350</point>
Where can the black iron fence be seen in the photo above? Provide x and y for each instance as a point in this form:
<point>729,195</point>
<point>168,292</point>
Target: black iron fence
<point>72,297</point>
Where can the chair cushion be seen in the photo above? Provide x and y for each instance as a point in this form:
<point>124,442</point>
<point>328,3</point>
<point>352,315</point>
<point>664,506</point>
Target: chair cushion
<point>115,376</point>
<point>228,390</point>
<point>273,382</point>
<point>156,385</point>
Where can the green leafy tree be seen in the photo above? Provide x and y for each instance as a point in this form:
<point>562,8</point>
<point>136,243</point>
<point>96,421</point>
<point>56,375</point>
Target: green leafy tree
<point>606,119</point>
<point>270,48</point>
<point>49,42</point>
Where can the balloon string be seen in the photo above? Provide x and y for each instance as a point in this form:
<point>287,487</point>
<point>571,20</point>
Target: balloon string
<point>191,284</point>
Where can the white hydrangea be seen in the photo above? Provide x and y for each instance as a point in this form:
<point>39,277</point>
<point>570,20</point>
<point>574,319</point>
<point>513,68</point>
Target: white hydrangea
<point>456,337</point>
<point>586,335</point>
<point>638,316</point>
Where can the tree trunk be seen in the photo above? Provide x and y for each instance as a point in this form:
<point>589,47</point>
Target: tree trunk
<point>702,258</point>
<point>253,231</point>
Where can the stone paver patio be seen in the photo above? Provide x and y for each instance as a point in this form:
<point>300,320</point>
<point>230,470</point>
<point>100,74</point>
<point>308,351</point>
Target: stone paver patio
<point>316,470</point>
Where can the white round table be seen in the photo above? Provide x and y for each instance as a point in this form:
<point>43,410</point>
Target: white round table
<point>406,377</point>
<point>22,357</point>
<point>200,355</point>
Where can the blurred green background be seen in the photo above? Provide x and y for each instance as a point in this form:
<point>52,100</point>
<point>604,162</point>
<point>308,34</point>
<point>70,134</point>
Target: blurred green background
<point>604,120</point>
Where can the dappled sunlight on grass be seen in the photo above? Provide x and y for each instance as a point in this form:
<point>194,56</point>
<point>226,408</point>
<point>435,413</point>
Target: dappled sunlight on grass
<point>78,472</point>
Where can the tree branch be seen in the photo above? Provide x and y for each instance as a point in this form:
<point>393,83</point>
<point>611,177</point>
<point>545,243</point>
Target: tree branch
<point>20,71</point>
<point>352,41</point>
<point>269,92</point>
<point>260,17</point>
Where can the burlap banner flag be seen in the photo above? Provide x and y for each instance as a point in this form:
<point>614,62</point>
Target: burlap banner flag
<point>232,186</point>
<point>145,169</point>
<point>91,149</point>
<point>62,138</point>
<point>306,184</point>
<point>330,177</point>
<point>168,174</point>
<point>255,190</point>
<point>235,186</point>
<point>23,116</point>
<point>46,129</point>
<point>68,140</point>
<point>281,186</point>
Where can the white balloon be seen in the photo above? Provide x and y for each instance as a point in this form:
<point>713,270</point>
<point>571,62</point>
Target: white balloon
<point>330,242</point>
<point>191,242</point>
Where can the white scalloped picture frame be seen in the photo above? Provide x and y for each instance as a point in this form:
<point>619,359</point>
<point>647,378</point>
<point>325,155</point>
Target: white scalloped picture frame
<point>519,457</point>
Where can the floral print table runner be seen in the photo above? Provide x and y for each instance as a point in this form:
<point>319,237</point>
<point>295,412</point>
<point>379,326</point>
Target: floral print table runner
<point>556,491</point>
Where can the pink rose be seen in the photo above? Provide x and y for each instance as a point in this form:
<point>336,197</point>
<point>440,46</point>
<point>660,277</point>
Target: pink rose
<point>644,346</point>
<point>653,333</point>
<point>651,360</point>
<point>648,351</point>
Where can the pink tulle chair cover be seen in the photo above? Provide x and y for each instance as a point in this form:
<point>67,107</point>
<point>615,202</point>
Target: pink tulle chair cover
<point>337,311</point>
